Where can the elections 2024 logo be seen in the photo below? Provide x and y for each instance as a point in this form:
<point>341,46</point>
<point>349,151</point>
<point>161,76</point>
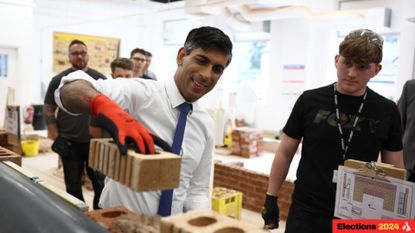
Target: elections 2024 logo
<point>373,225</point>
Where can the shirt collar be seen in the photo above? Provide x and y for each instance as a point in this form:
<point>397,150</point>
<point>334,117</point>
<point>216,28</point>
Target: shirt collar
<point>174,95</point>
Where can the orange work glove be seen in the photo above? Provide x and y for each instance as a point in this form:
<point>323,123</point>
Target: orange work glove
<point>122,127</point>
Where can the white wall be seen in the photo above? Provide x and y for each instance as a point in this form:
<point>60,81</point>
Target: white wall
<point>16,34</point>
<point>407,50</point>
<point>287,47</point>
<point>135,27</point>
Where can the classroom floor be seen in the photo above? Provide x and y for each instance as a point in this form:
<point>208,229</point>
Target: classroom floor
<point>45,166</point>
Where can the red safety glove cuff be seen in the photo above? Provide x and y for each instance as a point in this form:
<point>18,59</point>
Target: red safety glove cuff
<point>123,128</point>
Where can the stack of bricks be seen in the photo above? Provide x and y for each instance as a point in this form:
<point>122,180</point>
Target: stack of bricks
<point>206,221</point>
<point>253,185</point>
<point>8,155</point>
<point>119,220</point>
<point>247,142</point>
<point>137,171</point>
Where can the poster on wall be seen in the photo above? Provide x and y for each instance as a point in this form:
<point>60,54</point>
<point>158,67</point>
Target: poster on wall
<point>101,51</point>
<point>293,82</point>
<point>3,65</point>
<point>12,124</point>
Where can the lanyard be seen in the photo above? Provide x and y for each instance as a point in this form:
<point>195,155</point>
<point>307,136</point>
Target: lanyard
<point>356,119</point>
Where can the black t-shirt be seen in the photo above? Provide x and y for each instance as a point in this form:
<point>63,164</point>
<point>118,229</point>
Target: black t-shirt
<point>313,120</point>
<point>74,128</point>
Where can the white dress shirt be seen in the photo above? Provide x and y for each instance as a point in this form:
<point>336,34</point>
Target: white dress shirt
<point>155,105</point>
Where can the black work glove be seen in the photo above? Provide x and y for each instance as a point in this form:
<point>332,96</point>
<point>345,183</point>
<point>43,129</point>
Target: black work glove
<point>271,212</point>
<point>61,146</point>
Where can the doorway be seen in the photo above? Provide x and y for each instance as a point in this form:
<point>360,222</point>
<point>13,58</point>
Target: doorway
<point>8,79</point>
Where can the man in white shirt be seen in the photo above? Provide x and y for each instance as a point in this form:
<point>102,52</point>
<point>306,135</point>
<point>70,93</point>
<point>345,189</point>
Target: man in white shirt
<point>153,106</point>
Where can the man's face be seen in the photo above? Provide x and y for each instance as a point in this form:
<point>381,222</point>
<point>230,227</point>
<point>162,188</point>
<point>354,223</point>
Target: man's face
<point>352,78</point>
<point>198,72</point>
<point>122,73</point>
<point>139,61</point>
<point>78,56</point>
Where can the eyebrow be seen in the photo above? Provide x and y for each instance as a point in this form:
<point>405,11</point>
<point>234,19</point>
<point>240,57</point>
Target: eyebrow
<point>206,58</point>
<point>356,63</point>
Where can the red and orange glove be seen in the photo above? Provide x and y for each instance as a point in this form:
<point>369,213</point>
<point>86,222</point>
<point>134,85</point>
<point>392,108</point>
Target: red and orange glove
<point>122,127</point>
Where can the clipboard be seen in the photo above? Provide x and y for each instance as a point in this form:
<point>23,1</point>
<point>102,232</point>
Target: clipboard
<point>373,190</point>
<point>376,170</point>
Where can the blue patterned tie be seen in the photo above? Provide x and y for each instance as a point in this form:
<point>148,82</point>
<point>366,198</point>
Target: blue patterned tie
<point>167,195</point>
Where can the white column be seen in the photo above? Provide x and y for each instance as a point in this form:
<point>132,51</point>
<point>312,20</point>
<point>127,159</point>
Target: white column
<point>406,68</point>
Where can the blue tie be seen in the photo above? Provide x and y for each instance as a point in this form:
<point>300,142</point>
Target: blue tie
<point>167,195</point>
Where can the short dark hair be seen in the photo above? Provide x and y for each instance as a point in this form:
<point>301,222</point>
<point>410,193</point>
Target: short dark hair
<point>148,54</point>
<point>123,63</point>
<point>208,38</point>
<point>137,50</point>
<point>76,42</point>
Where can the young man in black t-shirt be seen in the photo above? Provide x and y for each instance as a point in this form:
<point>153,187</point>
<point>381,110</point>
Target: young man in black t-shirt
<point>344,120</point>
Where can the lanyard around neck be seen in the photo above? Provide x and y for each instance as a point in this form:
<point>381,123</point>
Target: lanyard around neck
<point>345,146</point>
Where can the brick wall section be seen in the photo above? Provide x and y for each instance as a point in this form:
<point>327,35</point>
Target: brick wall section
<point>253,185</point>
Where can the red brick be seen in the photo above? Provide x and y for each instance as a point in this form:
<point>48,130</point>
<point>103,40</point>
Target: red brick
<point>107,217</point>
<point>253,185</point>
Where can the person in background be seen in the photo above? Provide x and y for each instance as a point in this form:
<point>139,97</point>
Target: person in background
<point>145,107</point>
<point>344,120</point>
<point>70,133</point>
<point>406,105</point>
<point>122,68</point>
<point>147,72</point>
<point>138,56</point>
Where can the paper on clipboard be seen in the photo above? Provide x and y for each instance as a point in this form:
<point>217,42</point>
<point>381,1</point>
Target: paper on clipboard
<point>365,197</point>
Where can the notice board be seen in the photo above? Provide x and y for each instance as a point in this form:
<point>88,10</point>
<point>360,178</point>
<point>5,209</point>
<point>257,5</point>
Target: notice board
<point>361,196</point>
<point>101,51</point>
